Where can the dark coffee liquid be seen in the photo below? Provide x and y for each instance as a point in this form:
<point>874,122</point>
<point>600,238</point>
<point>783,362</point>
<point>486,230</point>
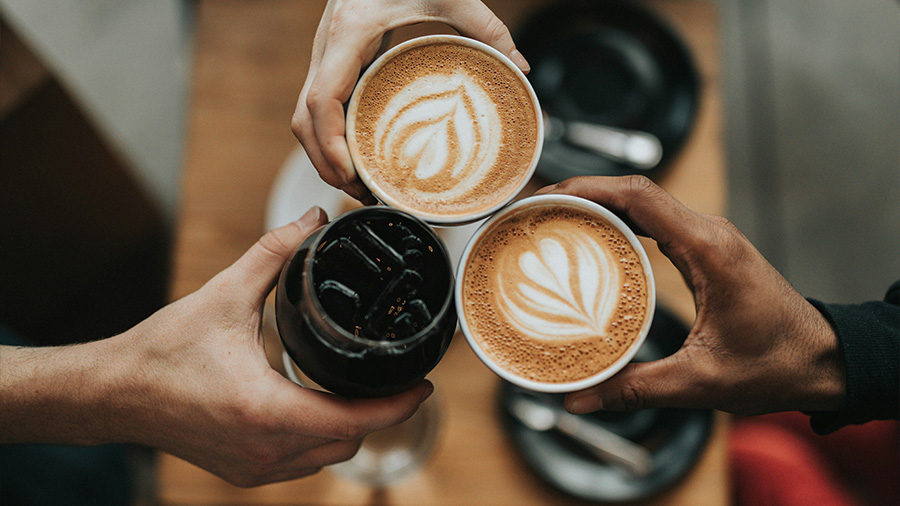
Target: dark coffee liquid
<point>382,278</point>
<point>378,279</point>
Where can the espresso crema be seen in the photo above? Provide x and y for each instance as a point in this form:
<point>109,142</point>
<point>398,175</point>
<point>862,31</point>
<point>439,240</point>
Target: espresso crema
<point>444,130</point>
<point>554,294</point>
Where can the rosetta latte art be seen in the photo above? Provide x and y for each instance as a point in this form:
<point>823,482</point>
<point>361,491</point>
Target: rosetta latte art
<point>441,130</point>
<point>565,289</point>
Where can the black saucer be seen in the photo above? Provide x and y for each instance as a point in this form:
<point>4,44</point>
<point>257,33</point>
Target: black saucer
<point>613,63</point>
<point>675,437</point>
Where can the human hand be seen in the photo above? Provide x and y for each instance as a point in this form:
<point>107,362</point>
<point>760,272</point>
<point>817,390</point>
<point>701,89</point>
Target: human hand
<point>193,380</point>
<point>756,345</point>
<point>349,36</point>
<point>225,408</point>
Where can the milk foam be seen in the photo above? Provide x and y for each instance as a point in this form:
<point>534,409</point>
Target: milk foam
<point>554,293</point>
<point>443,128</point>
<point>566,288</point>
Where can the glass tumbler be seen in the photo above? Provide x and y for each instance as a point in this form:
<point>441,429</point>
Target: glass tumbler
<point>365,308</point>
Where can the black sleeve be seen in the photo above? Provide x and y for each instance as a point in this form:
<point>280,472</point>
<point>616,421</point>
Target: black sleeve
<point>869,336</point>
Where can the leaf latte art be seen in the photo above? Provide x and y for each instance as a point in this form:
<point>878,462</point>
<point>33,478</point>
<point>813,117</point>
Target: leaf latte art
<point>554,293</point>
<point>443,131</point>
<point>565,289</point>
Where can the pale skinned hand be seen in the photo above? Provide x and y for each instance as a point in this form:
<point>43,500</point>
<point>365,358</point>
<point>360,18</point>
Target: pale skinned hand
<point>349,36</point>
<point>193,380</point>
<point>756,345</point>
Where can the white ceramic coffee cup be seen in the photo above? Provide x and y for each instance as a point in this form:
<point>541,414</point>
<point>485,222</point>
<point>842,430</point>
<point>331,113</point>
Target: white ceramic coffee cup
<point>387,198</point>
<point>601,375</point>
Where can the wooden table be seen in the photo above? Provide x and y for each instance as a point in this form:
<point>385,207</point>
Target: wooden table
<point>250,62</point>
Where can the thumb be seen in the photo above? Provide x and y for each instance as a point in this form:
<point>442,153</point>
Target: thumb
<point>662,383</point>
<point>258,268</point>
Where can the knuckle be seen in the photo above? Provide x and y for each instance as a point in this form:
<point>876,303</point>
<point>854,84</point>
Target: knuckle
<point>272,243</point>
<point>575,182</point>
<point>263,456</point>
<point>575,185</point>
<point>496,30</point>
<point>350,429</point>
<point>639,184</point>
<point>632,398</point>
<point>315,97</point>
<point>298,125</point>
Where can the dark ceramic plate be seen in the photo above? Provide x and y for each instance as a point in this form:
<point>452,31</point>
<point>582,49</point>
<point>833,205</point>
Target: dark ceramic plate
<point>613,63</point>
<point>675,437</point>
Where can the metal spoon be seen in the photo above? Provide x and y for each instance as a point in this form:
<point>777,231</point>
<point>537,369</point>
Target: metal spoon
<point>641,150</point>
<point>608,446</point>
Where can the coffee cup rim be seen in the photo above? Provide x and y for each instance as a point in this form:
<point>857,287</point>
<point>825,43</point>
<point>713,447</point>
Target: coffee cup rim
<point>387,199</point>
<point>600,376</point>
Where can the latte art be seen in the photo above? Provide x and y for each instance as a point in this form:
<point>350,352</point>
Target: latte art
<point>554,293</point>
<point>444,128</point>
<point>441,128</point>
<point>566,289</point>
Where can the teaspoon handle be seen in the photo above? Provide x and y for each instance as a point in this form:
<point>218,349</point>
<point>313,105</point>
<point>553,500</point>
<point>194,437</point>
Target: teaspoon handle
<point>607,445</point>
<point>641,150</point>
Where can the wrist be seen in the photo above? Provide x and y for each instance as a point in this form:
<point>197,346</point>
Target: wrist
<point>826,385</point>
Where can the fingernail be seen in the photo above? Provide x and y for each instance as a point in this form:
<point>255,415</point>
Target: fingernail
<point>520,61</point>
<point>584,404</point>
<point>311,218</point>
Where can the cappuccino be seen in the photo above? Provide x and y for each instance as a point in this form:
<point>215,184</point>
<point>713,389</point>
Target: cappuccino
<point>555,294</point>
<point>445,128</point>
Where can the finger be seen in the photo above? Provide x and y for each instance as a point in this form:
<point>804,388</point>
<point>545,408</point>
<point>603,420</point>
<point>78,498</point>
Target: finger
<point>474,19</point>
<point>308,462</point>
<point>246,480</point>
<point>302,126</point>
<point>330,89</point>
<point>321,456</point>
<point>333,417</point>
<point>662,383</point>
<point>256,271</point>
<point>360,192</point>
<point>301,122</point>
<point>645,206</point>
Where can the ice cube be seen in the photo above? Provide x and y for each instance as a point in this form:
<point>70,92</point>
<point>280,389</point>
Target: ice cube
<point>342,250</point>
<point>414,317</point>
<point>380,248</point>
<point>390,303</point>
<point>340,302</point>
